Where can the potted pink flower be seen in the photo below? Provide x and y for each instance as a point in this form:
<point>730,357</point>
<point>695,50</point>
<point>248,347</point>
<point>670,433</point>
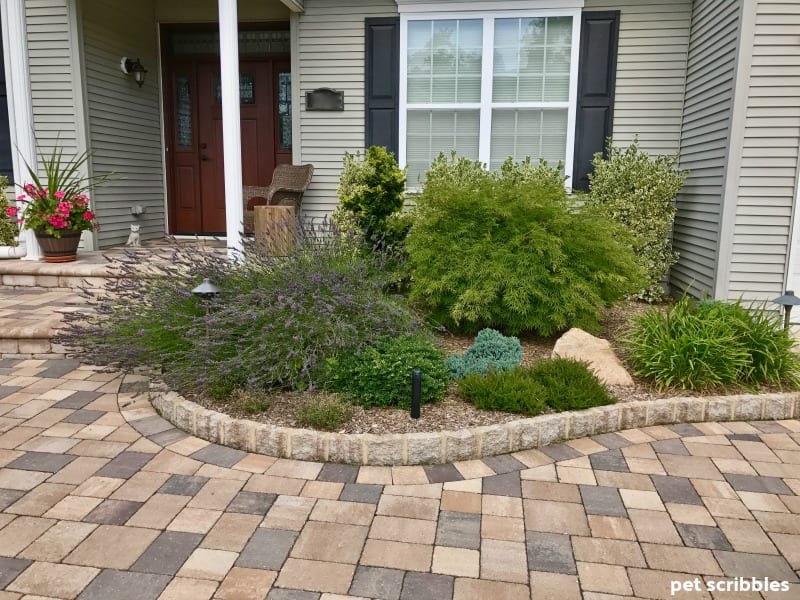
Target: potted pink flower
<point>57,207</point>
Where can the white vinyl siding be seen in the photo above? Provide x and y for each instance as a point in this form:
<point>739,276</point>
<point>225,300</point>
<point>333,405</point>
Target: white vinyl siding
<point>53,93</point>
<point>770,147</point>
<point>651,71</point>
<point>705,139</point>
<point>123,119</point>
<point>331,42</point>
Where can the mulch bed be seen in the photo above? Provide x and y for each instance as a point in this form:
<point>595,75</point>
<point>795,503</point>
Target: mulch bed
<point>452,412</point>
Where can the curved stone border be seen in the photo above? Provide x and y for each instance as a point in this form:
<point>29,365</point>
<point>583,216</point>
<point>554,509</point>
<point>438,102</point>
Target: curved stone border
<point>452,446</point>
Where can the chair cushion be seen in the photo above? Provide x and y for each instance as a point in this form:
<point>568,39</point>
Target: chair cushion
<point>256,201</point>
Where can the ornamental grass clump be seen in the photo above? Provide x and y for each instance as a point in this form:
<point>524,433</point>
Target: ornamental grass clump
<point>274,323</point>
<point>511,251</point>
<point>491,351</point>
<point>712,344</point>
<point>638,191</point>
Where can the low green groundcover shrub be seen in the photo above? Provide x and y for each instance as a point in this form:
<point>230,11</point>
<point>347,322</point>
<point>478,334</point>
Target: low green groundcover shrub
<point>710,344</point>
<point>328,414</point>
<point>509,250</point>
<point>381,375</point>
<point>560,384</point>
<point>491,351</point>
<point>275,322</point>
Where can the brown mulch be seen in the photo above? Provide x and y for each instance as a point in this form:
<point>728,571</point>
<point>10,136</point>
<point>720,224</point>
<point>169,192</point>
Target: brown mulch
<point>452,412</point>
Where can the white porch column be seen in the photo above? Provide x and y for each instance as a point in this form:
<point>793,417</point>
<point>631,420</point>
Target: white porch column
<point>231,125</point>
<point>20,114</point>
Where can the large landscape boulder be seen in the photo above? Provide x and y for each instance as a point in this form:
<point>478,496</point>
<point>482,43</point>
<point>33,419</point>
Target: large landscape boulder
<point>580,345</point>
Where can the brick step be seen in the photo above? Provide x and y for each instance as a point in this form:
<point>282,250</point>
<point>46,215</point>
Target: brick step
<point>91,270</point>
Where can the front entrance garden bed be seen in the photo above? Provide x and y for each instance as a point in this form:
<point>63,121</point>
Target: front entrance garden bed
<point>456,445</point>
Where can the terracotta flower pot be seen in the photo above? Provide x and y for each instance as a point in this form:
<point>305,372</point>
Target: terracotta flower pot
<point>57,250</point>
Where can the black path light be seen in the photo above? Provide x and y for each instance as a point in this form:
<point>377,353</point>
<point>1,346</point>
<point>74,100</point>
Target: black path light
<point>416,393</point>
<point>787,301</point>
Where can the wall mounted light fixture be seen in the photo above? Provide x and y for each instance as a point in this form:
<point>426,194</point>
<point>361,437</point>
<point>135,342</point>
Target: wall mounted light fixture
<point>135,68</point>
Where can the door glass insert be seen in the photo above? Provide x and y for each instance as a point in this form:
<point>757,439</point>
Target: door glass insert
<point>183,101</point>
<point>251,43</point>
<point>247,89</point>
<point>285,111</point>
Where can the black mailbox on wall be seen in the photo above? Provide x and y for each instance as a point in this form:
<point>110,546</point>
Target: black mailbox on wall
<point>324,99</point>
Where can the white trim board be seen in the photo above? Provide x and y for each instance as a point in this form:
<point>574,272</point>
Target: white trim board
<point>420,6</point>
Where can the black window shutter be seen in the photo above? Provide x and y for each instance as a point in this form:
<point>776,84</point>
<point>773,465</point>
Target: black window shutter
<point>6,163</point>
<point>382,100</point>
<point>597,72</point>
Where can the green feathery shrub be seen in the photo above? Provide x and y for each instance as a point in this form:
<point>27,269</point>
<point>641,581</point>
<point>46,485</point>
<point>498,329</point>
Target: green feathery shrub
<point>328,414</point>
<point>371,192</point>
<point>509,250</point>
<point>711,344</point>
<point>8,226</point>
<point>381,375</point>
<point>561,384</point>
<point>491,351</point>
<point>639,192</point>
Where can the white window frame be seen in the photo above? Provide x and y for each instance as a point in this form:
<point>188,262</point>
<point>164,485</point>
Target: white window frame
<point>487,79</point>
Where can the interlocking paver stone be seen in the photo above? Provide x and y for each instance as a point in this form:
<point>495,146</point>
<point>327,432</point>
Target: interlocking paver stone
<point>125,465</point>
<point>427,586</point>
<point>10,568</point>
<point>113,512</point>
<point>338,473</point>
<point>369,493</point>
<point>122,585</point>
<point>507,484</point>
<point>41,461</point>
<point>376,582</point>
<point>183,485</point>
<point>253,503</point>
<point>503,464</point>
<point>703,536</point>
<point>219,455</point>
<point>441,473</point>
<point>550,552</point>
<point>678,490</point>
<point>462,530</point>
<point>750,483</point>
<point>760,566</point>
<point>167,553</point>
<point>600,500</point>
<point>267,549</point>
<point>611,460</point>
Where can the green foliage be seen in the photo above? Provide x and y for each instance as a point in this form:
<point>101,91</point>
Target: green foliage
<point>711,344</point>
<point>371,189</point>
<point>561,384</point>
<point>273,325</point>
<point>639,192</point>
<point>569,385</point>
<point>510,391</point>
<point>490,351</point>
<point>8,226</point>
<point>381,375</point>
<point>250,403</point>
<point>510,250</point>
<point>328,414</point>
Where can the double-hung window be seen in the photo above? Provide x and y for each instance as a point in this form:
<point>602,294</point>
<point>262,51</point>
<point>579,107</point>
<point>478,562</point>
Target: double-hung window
<point>488,86</point>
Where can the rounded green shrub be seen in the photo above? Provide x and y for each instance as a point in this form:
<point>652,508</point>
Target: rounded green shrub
<point>711,344</point>
<point>371,192</point>
<point>509,250</point>
<point>491,351</point>
<point>510,391</point>
<point>381,375</point>
<point>560,384</point>
<point>639,192</point>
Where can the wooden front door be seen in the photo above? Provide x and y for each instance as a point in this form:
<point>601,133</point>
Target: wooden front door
<point>195,150</point>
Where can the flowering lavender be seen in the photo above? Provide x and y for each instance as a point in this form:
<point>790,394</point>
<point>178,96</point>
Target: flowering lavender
<point>273,325</point>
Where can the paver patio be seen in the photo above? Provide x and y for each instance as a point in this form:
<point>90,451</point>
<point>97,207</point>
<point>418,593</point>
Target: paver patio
<point>101,499</point>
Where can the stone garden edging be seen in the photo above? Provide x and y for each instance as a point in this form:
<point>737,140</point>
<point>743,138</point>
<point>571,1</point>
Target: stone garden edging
<point>452,446</point>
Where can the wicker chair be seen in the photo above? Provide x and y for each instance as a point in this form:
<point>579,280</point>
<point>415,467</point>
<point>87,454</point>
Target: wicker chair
<point>289,182</point>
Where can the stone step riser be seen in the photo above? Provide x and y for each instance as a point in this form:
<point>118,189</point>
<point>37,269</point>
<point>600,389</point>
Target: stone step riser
<point>36,348</point>
<point>52,282</point>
